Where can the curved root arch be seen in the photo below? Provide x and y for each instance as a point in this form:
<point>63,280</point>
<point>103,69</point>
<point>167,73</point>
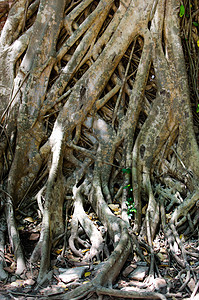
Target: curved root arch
<point>104,90</point>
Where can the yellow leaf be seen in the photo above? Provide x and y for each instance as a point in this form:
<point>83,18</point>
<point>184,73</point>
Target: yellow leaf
<point>181,236</point>
<point>61,284</point>
<point>17,283</point>
<point>86,281</point>
<point>96,262</point>
<point>168,216</point>
<point>58,251</point>
<point>144,209</point>
<point>164,265</point>
<point>192,263</point>
<point>87,274</point>
<point>114,207</point>
<point>198,43</point>
<point>161,256</point>
<point>85,250</point>
<point>29,219</point>
<point>116,212</point>
<point>163,250</point>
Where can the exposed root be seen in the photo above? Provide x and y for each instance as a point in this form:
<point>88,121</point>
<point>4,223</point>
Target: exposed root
<point>91,231</point>
<point>3,274</point>
<point>14,236</point>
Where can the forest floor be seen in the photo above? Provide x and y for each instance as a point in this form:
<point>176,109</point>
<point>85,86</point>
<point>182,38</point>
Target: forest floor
<point>68,272</point>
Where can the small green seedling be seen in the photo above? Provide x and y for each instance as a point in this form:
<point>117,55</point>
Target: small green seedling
<point>127,171</point>
<point>129,202</point>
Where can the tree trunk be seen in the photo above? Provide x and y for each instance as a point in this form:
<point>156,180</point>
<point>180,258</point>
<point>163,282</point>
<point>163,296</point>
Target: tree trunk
<point>95,108</point>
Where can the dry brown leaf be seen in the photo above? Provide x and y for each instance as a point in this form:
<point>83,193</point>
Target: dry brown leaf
<point>114,207</point>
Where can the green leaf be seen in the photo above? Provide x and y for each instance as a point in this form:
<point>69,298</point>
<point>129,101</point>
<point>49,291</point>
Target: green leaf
<point>130,199</point>
<point>127,171</point>
<point>182,11</point>
<point>126,186</point>
<point>197,109</point>
<point>195,24</point>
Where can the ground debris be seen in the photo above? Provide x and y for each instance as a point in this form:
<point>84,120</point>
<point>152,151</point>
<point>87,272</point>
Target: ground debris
<point>68,275</point>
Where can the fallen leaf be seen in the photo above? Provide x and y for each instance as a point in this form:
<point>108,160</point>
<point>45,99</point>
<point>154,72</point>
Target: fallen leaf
<point>58,251</point>
<point>62,284</point>
<point>29,219</point>
<point>29,282</point>
<point>164,265</point>
<point>144,209</point>
<point>161,256</point>
<point>17,283</point>
<point>96,262</point>
<point>114,207</point>
<point>87,274</point>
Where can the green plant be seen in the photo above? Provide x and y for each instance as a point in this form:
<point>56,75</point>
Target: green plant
<point>129,202</point>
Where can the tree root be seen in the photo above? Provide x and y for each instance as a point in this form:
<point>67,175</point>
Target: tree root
<point>3,274</point>
<point>83,291</point>
<point>91,231</point>
<point>14,236</point>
